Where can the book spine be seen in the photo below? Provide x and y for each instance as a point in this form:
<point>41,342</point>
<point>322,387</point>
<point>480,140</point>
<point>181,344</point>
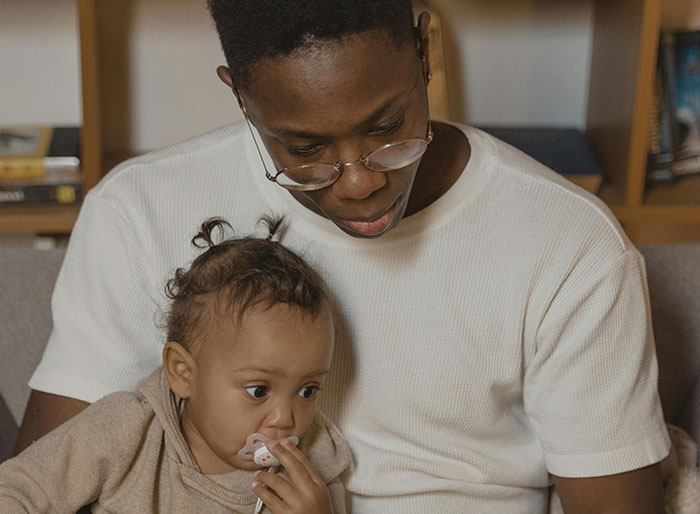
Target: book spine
<point>40,193</point>
<point>21,168</point>
<point>661,129</point>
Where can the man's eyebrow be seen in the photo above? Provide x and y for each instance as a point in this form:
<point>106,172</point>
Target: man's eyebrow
<point>312,135</point>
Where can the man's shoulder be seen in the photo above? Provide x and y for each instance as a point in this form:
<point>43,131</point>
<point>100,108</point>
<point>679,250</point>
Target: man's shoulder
<point>184,161</point>
<point>189,181</point>
<point>539,195</point>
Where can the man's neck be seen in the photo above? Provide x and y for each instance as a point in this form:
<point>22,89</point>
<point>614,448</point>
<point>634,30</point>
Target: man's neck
<point>441,166</point>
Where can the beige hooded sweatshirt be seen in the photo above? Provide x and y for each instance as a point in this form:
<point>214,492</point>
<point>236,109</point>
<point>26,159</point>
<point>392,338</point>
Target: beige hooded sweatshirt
<point>126,454</point>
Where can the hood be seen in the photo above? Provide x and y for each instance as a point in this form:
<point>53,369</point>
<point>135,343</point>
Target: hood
<point>166,409</point>
<point>326,448</point>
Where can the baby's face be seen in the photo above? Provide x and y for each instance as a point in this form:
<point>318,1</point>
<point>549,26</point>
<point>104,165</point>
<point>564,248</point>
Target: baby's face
<point>262,375</point>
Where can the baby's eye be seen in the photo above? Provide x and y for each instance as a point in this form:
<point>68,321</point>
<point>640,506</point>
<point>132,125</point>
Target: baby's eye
<point>257,391</point>
<point>308,392</point>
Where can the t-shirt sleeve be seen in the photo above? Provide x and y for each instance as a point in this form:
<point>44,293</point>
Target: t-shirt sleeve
<point>105,333</point>
<point>591,386</point>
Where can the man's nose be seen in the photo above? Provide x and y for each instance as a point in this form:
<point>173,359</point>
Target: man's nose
<point>357,181</point>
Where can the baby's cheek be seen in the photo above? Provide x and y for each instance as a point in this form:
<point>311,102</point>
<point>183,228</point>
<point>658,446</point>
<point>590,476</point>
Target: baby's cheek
<point>304,421</point>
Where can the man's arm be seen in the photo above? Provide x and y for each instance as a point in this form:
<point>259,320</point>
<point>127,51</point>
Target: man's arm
<point>45,412</point>
<point>634,492</point>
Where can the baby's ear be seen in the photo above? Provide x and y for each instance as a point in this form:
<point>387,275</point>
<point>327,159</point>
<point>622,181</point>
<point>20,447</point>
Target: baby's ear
<point>179,366</point>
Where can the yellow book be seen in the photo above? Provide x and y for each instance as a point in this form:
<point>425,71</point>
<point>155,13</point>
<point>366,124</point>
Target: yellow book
<point>29,152</point>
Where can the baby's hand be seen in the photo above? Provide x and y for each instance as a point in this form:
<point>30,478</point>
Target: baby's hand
<point>300,491</point>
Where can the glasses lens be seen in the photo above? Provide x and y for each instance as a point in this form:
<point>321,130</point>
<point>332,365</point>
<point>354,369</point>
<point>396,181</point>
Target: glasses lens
<point>308,178</point>
<point>396,156</point>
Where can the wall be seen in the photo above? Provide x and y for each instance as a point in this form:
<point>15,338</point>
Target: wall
<point>509,61</point>
<point>517,61</point>
<point>39,59</point>
<point>680,15</point>
<point>158,63</point>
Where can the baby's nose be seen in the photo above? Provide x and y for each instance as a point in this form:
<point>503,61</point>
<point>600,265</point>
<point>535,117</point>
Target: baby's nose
<point>281,416</point>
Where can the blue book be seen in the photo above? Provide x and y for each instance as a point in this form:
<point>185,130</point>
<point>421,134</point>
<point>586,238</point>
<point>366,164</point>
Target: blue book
<point>684,82</point>
<point>565,150</point>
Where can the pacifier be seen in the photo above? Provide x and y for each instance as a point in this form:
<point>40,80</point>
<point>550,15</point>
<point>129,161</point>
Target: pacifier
<point>255,449</point>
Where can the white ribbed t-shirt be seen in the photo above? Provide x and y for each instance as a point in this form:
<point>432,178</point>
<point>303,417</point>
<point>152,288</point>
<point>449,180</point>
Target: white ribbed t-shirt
<point>497,336</point>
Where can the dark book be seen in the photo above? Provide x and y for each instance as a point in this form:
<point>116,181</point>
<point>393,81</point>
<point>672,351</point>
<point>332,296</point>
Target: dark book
<point>565,150</point>
<point>33,152</point>
<point>66,190</point>
<point>660,153</point>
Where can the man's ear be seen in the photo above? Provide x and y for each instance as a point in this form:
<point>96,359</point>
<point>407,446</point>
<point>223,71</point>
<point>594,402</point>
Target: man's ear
<point>180,368</point>
<point>423,40</point>
<point>224,74</point>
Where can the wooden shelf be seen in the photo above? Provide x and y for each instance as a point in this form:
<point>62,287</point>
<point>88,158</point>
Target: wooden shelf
<point>56,218</point>
<point>685,192</point>
<point>38,219</point>
<point>622,67</point>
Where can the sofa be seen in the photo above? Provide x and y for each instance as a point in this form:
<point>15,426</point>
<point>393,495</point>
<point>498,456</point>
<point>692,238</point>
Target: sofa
<point>27,278</point>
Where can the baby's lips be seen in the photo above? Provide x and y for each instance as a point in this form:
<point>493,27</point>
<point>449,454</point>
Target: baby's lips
<point>256,451</point>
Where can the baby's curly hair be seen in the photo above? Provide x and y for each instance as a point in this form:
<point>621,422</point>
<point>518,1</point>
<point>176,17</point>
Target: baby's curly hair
<point>251,30</point>
<point>234,276</point>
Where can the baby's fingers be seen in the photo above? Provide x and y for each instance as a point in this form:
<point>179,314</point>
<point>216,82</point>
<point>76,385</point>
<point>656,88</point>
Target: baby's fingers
<point>295,463</point>
<point>266,486</point>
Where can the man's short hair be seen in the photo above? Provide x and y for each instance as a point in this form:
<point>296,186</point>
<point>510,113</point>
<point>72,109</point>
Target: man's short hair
<point>251,30</point>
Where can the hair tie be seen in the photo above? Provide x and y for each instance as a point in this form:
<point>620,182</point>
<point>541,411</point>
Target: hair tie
<point>273,225</point>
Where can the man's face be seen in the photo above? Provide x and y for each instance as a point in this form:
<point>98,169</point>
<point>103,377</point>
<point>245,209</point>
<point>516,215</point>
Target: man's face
<point>338,101</point>
<point>262,375</point>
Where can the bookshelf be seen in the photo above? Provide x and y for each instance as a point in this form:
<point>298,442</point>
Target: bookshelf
<point>623,63</point>
<point>59,219</point>
<point>625,39</point>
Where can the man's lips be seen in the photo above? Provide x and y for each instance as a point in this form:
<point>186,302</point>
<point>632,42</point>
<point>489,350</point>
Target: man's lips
<point>372,227</point>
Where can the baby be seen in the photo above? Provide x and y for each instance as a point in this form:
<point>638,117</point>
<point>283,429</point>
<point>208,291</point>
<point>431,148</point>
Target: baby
<point>250,340</point>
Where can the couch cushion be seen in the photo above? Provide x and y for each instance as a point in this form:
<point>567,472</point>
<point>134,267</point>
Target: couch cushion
<point>8,431</point>
<point>674,288</point>
<point>27,278</point>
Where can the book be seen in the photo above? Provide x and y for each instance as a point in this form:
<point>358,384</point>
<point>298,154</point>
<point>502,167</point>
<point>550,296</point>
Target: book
<point>40,193</point>
<point>660,138</point>
<point>32,152</point>
<point>565,150</point>
<point>60,186</point>
<point>682,63</point>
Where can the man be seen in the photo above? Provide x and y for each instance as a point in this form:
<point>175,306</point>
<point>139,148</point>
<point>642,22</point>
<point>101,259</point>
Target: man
<point>493,319</point>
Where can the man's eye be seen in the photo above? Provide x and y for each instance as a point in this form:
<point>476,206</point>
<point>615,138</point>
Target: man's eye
<point>304,151</point>
<point>308,392</point>
<point>387,129</point>
<point>257,391</point>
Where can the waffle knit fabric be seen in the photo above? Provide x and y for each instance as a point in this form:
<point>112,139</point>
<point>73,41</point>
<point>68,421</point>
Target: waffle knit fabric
<point>497,336</point>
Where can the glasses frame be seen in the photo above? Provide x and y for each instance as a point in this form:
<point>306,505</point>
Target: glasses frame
<point>340,165</point>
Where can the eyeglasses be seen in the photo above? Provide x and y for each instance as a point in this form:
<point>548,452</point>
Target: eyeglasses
<point>311,177</point>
